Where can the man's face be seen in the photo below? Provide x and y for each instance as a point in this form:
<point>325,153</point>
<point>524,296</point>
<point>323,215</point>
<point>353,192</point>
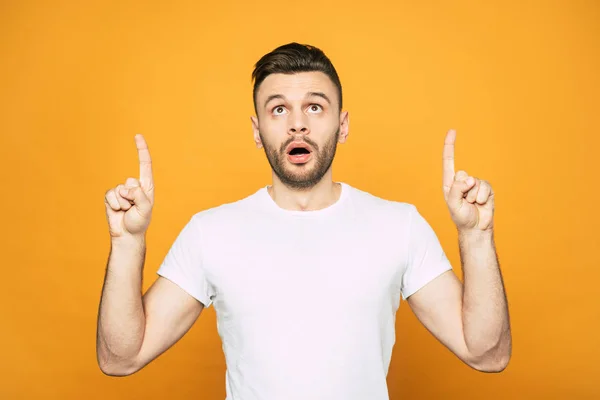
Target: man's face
<point>299,110</point>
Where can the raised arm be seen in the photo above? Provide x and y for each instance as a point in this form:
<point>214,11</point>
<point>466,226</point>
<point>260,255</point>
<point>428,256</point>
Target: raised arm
<point>471,319</point>
<point>133,329</point>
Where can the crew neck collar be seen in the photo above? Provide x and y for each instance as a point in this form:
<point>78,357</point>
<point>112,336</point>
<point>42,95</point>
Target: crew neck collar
<point>332,207</point>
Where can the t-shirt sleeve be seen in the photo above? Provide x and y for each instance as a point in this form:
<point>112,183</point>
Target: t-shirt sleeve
<point>426,258</point>
<point>183,263</point>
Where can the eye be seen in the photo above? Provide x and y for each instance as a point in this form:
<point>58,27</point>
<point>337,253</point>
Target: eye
<point>279,110</point>
<point>315,108</point>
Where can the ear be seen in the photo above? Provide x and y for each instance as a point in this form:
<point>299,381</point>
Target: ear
<point>256,132</point>
<point>344,127</point>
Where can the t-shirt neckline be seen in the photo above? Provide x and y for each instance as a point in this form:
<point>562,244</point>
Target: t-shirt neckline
<point>308,213</point>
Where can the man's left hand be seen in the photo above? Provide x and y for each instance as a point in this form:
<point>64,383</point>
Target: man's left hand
<point>469,199</point>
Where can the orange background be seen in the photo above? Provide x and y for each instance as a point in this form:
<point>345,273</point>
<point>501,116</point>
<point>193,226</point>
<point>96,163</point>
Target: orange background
<point>518,80</point>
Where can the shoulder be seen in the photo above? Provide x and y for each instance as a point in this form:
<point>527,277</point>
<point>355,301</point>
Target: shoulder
<point>364,201</point>
<point>234,211</point>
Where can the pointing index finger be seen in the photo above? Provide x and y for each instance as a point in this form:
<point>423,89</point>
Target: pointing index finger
<point>146,179</point>
<point>448,159</point>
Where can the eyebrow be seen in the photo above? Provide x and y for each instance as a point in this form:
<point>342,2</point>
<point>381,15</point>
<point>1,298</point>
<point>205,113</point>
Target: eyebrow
<point>309,94</point>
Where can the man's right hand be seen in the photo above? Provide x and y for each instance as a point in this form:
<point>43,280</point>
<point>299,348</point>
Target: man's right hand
<point>129,205</point>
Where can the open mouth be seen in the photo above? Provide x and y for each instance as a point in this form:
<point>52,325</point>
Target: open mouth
<point>298,151</point>
<point>299,155</point>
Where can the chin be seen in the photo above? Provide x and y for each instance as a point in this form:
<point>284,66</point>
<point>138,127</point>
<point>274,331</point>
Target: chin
<point>303,180</point>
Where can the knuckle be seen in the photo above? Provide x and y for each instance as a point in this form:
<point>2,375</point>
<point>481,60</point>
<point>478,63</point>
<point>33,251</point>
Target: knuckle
<point>131,182</point>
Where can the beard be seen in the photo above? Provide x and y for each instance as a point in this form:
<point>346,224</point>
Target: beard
<point>301,176</point>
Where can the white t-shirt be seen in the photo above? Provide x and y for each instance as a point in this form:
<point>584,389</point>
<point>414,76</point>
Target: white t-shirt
<point>306,300</point>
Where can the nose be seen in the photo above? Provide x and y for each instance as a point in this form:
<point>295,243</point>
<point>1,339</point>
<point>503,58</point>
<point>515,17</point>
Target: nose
<point>298,124</point>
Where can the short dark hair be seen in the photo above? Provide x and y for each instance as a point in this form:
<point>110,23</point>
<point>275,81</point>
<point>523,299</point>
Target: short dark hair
<point>292,58</point>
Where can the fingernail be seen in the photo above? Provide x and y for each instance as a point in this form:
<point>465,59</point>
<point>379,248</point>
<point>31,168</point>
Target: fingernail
<point>470,181</point>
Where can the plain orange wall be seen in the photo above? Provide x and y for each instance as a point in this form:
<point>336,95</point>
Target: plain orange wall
<point>518,80</point>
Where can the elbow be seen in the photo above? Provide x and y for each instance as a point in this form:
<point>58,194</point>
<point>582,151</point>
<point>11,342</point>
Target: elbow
<point>494,364</point>
<point>494,360</point>
<point>116,371</point>
<point>115,368</point>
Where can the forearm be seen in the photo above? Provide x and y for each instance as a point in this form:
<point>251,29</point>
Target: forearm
<point>485,312</point>
<point>121,319</point>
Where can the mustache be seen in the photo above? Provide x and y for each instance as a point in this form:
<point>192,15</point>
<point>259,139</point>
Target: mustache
<point>304,140</point>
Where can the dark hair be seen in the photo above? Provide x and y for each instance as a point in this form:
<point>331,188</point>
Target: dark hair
<point>293,58</point>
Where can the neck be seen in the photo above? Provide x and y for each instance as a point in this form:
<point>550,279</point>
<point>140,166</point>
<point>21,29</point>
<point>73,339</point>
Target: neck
<point>322,195</point>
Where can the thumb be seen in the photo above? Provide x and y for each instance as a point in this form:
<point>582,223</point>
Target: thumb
<point>461,185</point>
<point>138,197</point>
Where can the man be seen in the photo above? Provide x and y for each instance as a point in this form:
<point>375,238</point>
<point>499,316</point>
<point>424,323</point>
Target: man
<point>306,274</point>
